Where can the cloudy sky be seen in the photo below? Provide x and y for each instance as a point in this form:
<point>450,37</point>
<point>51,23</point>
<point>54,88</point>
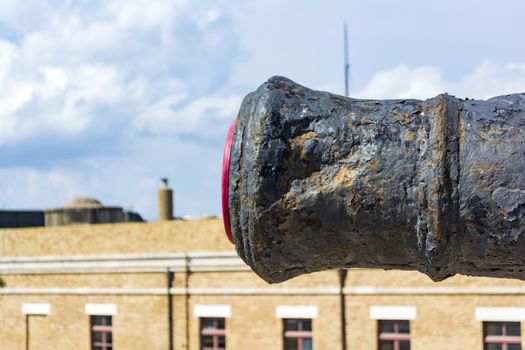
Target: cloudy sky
<point>102,98</point>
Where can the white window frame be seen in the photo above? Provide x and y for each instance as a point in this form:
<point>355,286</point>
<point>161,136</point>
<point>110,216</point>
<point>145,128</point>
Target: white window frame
<point>500,314</point>
<point>297,311</point>
<point>36,309</point>
<point>212,311</point>
<point>100,309</point>
<point>393,313</point>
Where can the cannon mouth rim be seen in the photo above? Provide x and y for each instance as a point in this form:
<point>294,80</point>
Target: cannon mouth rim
<point>225,182</point>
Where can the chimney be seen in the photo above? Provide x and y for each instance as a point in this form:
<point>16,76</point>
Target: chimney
<point>165,201</point>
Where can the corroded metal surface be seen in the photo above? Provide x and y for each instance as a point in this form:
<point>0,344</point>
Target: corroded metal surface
<point>318,181</point>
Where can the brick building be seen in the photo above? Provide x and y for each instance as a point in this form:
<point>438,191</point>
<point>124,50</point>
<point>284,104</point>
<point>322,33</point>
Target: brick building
<point>144,285</point>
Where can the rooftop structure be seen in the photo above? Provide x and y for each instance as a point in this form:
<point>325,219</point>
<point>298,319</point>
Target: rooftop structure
<point>79,210</point>
<point>83,210</point>
<point>83,203</point>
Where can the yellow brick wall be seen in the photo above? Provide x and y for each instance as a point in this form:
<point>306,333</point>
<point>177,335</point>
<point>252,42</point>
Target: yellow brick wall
<point>251,280</point>
<point>107,280</point>
<point>140,322</point>
<point>254,325</point>
<point>443,321</point>
<point>397,278</point>
<point>122,238</point>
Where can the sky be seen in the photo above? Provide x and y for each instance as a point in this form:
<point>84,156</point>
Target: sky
<point>103,98</point>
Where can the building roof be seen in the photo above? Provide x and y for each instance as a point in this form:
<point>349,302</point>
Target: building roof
<point>83,202</point>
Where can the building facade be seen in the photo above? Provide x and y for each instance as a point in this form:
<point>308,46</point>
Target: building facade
<point>180,285</point>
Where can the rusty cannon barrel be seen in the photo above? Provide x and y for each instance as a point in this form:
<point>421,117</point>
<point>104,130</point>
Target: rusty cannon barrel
<point>316,181</point>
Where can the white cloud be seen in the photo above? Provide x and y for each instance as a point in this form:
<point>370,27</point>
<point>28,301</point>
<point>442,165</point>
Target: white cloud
<point>166,117</point>
<point>403,82</point>
<point>207,18</point>
<point>26,187</point>
<point>130,181</point>
<point>487,80</point>
<point>7,55</point>
<point>154,66</point>
<point>56,100</point>
<point>103,98</point>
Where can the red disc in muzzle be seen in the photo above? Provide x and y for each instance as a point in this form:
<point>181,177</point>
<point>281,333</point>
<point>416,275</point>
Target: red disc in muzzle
<point>225,182</point>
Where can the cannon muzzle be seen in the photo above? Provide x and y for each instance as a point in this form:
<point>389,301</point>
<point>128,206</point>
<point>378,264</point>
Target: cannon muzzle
<point>316,181</point>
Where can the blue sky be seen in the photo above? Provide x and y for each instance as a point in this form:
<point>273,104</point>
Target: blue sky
<point>103,98</point>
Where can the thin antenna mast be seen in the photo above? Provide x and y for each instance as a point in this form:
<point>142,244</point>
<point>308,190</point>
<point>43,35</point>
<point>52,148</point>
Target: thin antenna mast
<point>347,63</point>
<point>342,272</point>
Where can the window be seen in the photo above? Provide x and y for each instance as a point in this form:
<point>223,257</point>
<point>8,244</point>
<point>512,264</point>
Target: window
<point>394,335</point>
<point>297,334</point>
<point>502,335</point>
<point>213,334</point>
<point>101,333</point>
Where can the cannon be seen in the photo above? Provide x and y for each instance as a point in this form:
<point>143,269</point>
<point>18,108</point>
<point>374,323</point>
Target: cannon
<point>315,181</point>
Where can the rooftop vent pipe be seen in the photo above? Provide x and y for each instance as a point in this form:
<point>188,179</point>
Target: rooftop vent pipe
<point>165,201</point>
